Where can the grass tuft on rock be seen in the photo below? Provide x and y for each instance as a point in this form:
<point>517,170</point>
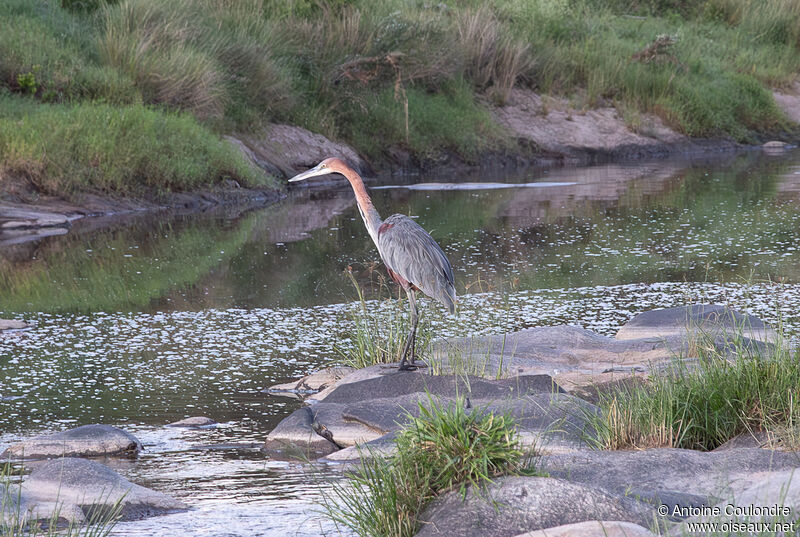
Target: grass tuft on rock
<point>703,407</point>
<point>445,448</point>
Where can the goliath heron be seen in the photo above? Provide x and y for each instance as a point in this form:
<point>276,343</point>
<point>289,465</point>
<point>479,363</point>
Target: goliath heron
<point>412,257</point>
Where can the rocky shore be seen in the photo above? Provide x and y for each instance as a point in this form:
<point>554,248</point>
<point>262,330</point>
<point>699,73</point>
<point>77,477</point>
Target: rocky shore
<point>548,379</point>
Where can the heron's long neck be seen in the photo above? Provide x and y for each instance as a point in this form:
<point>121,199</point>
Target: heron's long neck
<point>368,213</point>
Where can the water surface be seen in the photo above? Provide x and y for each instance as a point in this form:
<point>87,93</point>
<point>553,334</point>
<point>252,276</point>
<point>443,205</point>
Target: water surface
<point>163,316</point>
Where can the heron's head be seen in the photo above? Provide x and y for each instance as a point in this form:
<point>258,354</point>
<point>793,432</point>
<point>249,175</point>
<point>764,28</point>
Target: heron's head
<point>329,165</point>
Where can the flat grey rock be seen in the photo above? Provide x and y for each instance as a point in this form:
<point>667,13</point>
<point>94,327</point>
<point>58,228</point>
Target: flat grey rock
<point>669,476</point>
<point>593,528</point>
<point>312,383</point>
<point>399,383</point>
<point>294,437</point>
<point>195,421</point>
<point>79,486</point>
<point>514,505</point>
<point>83,441</point>
<point>706,318</point>
<point>771,499</point>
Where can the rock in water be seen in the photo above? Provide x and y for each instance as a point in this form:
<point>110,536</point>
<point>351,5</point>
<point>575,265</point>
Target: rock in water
<point>83,441</point>
<point>196,421</point>
<point>73,487</point>
<point>8,324</point>
<point>705,318</point>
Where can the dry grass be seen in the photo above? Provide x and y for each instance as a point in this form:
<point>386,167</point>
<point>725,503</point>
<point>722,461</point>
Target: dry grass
<point>205,57</point>
<point>495,61</point>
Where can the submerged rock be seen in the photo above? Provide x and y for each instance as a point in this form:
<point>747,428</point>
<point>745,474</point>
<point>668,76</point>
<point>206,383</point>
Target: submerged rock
<point>73,488</point>
<point>196,421</point>
<point>83,441</point>
<point>514,505</point>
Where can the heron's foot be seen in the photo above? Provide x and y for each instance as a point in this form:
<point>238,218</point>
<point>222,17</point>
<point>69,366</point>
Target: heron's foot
<point>408,366</point>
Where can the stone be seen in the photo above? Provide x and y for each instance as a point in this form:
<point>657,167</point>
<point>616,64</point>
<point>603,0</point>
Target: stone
<point>399,383</point>
<point>83,441</point>
<point>774,498</point>
<point>289,150</point>
<point>669,476</point>
<point>514,505</point>
<point>593,528</point>
<point>294,437</point>
<point>9,324</point>
<point>312,383</point>
<point>196,421</point>
<point>79,486</point>
<point>706,318</point>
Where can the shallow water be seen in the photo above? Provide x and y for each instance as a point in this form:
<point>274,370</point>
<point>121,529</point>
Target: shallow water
<point>159,317</point>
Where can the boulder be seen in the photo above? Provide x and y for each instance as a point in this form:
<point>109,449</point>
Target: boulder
<point>312,383</point>
<point>83,441</point>
<point>363,411</point>
<point>577,358</point>
<point>673,477</point>
<point>514,505</point>
<point>9,324</point>
<point>703,318</point>
<point>196,421</point>
<point>74,488</point>
<point>771,499</point>
<point>593,528</point>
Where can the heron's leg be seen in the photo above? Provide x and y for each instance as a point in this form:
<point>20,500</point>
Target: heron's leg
<point>412,335</point>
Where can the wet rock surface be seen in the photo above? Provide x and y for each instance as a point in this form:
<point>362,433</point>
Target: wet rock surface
<point>83,441</point>
<point>74,488</point>
<point>195,421</point>
<point>593,528</point>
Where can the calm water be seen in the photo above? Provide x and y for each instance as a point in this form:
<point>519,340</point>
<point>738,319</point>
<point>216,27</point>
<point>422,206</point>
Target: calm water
<point>159,317</point>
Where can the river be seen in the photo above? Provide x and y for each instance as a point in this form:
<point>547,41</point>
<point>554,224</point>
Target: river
<point>150,318</point>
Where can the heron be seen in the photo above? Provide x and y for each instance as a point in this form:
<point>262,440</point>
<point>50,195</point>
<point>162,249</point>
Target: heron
<point>412,258</point>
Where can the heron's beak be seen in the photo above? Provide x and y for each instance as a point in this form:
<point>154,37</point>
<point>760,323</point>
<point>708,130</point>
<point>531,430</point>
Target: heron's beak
<point>313,172</point>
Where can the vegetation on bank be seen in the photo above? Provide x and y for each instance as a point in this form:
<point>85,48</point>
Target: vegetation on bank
<point>445,448</point>
<point>416,76</point>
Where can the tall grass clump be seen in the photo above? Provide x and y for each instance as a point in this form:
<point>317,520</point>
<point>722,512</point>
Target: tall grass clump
<point>703,407</point>
<point>16,521</point>
<point>379,333</point>
<point>495,60</point>
<point>214,59</point>
<point>444,448</point>
<point>123,150</point>
<point>49,53</point>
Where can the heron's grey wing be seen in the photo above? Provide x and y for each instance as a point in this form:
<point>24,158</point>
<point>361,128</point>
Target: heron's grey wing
<point>409,251</point>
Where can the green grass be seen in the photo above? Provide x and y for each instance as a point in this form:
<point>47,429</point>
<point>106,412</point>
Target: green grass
<point>702,408</point>
<point>417,77</point>
<point>445,448</point>
<point>379,334</point>
<point>129,150</point>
